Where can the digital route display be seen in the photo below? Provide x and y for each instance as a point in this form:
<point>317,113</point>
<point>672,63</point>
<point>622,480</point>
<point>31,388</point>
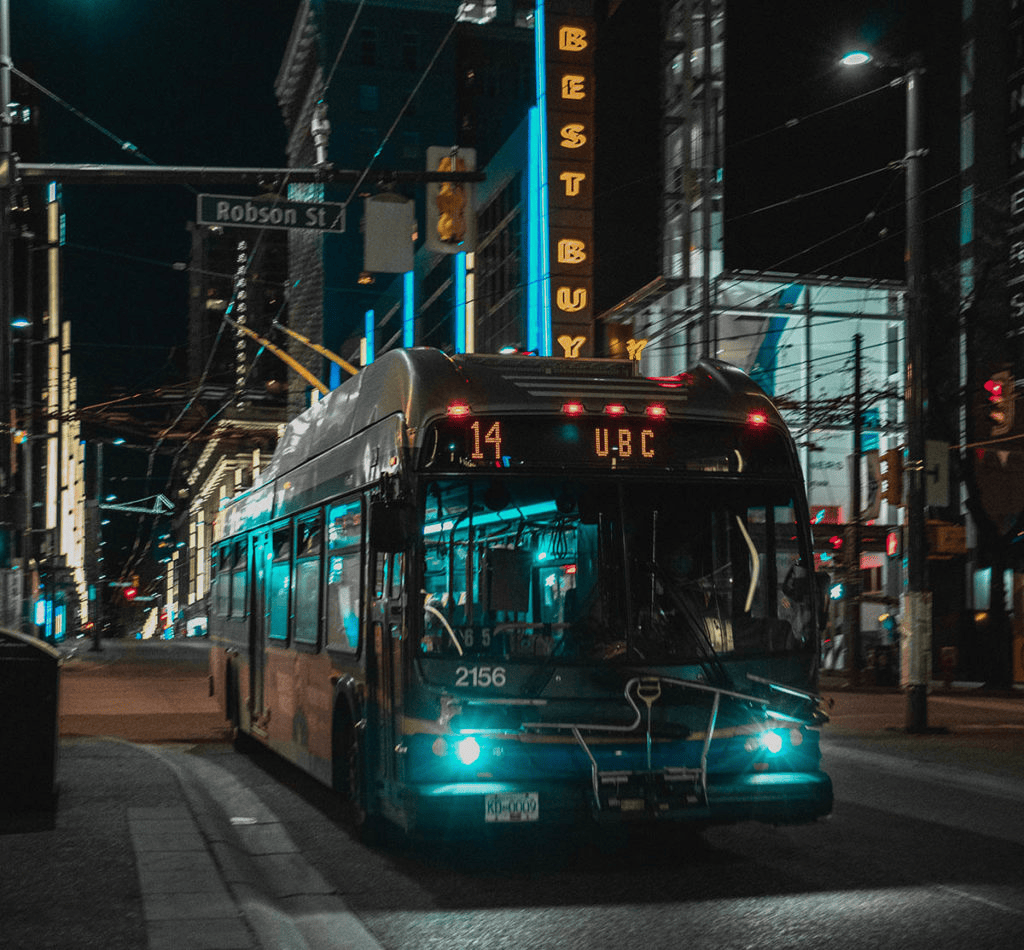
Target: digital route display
<point>555,442</point>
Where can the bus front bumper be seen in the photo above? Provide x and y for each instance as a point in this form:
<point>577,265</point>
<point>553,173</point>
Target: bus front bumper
<point>458,807</point>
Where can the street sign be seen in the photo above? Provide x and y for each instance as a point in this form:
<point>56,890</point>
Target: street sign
<point>241,212</point>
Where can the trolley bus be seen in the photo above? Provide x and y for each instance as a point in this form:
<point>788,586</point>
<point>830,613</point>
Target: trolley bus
<point>475,590</point>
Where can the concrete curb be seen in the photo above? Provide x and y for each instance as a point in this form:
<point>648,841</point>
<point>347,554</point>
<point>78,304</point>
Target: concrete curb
<point>284,900</point>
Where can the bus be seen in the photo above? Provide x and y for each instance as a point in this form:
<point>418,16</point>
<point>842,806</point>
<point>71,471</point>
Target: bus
<point>469,591</point>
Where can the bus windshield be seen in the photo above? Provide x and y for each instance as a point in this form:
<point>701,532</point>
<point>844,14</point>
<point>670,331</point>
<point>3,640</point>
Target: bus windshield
<point>612,570</point>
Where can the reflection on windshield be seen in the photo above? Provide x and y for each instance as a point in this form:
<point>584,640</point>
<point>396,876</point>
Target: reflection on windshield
<point>624,570</point>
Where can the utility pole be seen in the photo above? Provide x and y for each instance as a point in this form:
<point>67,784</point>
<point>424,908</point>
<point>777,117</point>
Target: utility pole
<point>6,291</point>
<point>853,541</point>
<point>918,613</point>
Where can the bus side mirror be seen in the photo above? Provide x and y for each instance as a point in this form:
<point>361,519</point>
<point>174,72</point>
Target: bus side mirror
<point>392,525</point>
<point>822,584</point>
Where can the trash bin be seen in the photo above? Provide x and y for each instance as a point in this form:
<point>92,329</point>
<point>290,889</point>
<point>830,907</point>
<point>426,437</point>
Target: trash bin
<point>29,728</point>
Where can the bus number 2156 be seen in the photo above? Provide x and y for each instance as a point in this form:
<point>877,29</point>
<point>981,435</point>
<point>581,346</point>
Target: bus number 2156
<point>480,676</point>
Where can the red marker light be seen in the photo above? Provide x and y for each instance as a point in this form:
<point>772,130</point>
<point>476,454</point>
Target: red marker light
<point>994,388</point>
<point>573,408</point>
<point>673,382</point>
<point>458,410</point>
<point>130,593</point>
<point>615,409</point>
<point>757,418</point>
<point>656,411</point>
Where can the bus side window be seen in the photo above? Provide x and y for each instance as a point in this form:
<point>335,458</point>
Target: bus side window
<point>307,580</point>
<point>344,573</point>
<point>280,583</point>
<point>220,580</point>
<point>239,600</point>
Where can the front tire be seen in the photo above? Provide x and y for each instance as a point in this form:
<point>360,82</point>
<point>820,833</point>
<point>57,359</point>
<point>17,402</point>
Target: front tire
<point>350,780</point>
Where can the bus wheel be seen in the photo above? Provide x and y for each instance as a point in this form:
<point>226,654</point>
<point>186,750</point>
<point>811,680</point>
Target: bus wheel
<point>350,779</point>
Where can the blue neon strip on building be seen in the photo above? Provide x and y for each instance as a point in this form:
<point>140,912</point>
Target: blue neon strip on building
<point>371,319</point>
<point>538,329</point>
<point>409,310</point>
<point>460,302</point>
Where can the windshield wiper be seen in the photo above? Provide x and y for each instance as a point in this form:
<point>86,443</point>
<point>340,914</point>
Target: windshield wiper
<point>710,661</point>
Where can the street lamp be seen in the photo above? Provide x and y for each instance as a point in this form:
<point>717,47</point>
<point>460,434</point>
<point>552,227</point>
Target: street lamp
<point>918,602</point>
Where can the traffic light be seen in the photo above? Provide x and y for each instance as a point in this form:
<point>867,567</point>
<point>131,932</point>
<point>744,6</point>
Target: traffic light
<point>130,593</point>
<point>451,217</point>
<point>891,465</point>
<point>999,402</point>
<point>833,555</point>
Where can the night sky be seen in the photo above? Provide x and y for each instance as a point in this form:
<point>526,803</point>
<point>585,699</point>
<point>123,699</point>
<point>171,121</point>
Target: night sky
<point>188,82</point>
<point>842,153</point>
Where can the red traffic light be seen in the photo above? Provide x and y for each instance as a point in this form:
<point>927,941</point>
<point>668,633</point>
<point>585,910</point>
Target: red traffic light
<point>994,388</point>
<point>836,542</point>
<point>130,593</point>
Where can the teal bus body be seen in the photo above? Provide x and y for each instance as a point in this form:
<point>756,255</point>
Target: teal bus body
<point>473,591</point>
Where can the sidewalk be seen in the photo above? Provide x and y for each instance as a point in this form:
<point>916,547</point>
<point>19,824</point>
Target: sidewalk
<point>968,725</point>
<point>122,860</point>
<point>121,863</point>
<point>151,845</point>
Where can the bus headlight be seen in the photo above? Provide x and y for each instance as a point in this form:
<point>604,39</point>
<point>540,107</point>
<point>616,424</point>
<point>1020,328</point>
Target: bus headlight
<point>467,751</point>
<point>771,742</point>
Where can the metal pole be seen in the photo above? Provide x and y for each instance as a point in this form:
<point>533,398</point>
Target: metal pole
<point>853,658</point>
<point>6,260</point>
<point>708,332</point>
<point>918,606</point>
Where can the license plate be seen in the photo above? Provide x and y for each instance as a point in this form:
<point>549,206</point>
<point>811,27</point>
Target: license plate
<point>512,806</point>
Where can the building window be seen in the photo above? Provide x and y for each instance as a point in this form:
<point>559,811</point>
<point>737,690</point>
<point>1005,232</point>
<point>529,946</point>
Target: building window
<point>367,46</point>
<point>499,270</point>
<point>966,141</point>
<point>411,147</point>
<point>369,98</point>
<point>410,51</point>
<point>967,215</point>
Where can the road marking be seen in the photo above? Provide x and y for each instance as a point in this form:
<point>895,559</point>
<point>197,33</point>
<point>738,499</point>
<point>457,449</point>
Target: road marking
<point>926,771</point>
<point>977,898</point>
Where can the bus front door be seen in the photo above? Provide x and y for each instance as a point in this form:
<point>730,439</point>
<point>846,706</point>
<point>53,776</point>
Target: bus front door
<point>387,631</point>
<point>262,552</point>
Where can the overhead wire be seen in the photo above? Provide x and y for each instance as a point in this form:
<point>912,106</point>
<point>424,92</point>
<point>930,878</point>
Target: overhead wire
<point>402,111</point>
<point>121,143</point>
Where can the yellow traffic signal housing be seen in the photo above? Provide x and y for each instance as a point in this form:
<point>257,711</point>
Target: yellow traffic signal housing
<point>451,217</point>
<point>892,476</point>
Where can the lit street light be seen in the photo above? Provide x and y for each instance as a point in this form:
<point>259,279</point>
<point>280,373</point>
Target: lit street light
<point>917,618</point>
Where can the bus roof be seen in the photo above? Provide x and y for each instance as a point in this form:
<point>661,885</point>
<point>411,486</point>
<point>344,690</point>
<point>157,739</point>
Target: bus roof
<point>420,384</point>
